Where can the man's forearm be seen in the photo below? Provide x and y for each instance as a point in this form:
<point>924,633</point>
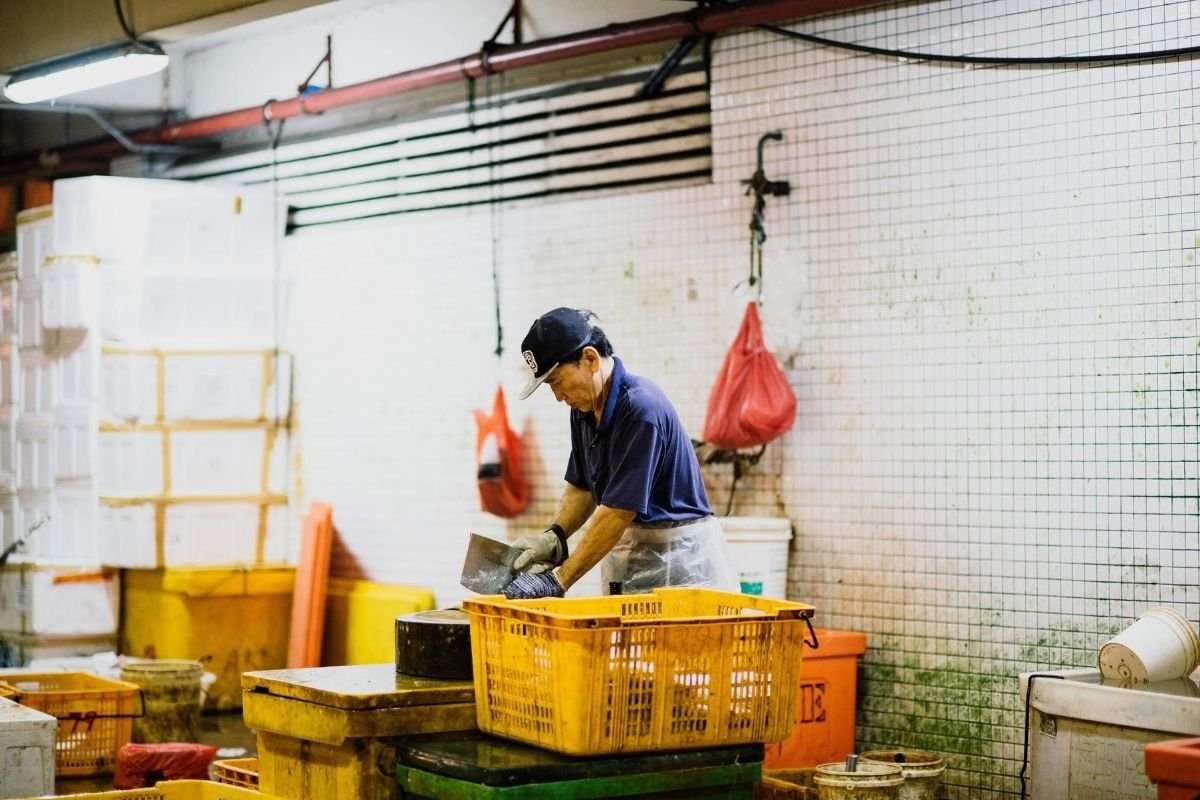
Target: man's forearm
<point>574,508</point>
<point>604,531</point>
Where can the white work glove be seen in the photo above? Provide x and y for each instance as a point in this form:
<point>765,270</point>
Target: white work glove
<point>542,552</point>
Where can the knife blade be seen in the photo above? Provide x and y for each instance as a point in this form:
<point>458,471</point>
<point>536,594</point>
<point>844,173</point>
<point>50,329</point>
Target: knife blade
<point>487,568</point>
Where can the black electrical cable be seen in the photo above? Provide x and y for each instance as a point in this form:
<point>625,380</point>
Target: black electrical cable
<point>146,47</point>
<point>1178,52</point>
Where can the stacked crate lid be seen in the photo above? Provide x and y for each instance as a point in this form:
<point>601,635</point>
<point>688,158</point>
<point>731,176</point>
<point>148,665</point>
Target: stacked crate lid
<point>145,402</point>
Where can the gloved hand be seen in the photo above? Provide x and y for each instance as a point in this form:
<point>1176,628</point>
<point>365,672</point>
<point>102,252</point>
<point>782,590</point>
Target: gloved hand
<point>543,551</point>
<point>530,586</point>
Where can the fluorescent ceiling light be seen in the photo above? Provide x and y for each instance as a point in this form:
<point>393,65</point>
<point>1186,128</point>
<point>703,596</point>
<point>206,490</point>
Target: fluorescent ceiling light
<point>84,71</point>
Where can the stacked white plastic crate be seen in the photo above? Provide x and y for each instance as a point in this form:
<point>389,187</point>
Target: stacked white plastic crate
<point>151,403</point>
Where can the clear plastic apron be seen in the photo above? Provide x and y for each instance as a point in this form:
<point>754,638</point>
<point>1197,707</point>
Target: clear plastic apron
<point>695,554</point>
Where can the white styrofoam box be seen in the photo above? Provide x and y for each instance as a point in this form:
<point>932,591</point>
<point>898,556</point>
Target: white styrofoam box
<point>8,445</point>
<point>37,381</point>
<point>35,227</point>
<point>194,534</point>
<point>217,310</point>
<point>227,385</point>
<point>35,512</point>
<point>35,452</point>
<point>128,386</point>
<point>8,304</point>
<point>10,371</point>
<point>76,441</point>
<point>75,368</point>
<point>26,751</point>
<point>59,601</point>
<point>131,463</point>
<point>1087,737</point>
<point>227,462</point>
<point>73,534</point>
<point>29,314</point>
<point>10,517</point>
<point>103,217</point>
<point>85,293</point>
<point>197,228</point>
<point>47,653</point>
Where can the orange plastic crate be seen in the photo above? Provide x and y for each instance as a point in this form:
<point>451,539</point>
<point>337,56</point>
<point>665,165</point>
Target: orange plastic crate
<point>236,772</point>
<point>672,670</point>
<point>95,715</point>
<point>1174,766</point>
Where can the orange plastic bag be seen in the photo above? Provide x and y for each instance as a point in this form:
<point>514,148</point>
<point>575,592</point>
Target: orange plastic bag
<point>751,403</point>
<point>502,489</point>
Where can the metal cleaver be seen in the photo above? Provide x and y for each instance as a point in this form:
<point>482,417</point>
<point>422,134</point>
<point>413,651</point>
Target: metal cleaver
<point>488,567</point>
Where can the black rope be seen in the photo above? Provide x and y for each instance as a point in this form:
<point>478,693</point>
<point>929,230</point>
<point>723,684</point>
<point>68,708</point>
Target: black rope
<point>1178,52</point>
<point>129,34</point>
<point>494,207</point>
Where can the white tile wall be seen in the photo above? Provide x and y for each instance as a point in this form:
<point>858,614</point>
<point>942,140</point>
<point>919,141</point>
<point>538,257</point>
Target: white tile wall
<point>983,289</point>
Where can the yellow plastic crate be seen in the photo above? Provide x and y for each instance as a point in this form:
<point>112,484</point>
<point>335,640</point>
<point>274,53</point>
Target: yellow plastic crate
<point>178,790</point>
<point>671,670</point>
<point>236,772</point>
<point>95,715</point>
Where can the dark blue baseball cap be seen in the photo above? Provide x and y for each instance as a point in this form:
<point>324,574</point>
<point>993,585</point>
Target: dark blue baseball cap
<point>553,336</point>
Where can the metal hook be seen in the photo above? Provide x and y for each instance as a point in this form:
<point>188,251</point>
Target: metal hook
<point>774,136</point>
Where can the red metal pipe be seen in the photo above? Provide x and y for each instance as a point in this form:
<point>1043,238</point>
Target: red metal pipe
<point>611,37</point>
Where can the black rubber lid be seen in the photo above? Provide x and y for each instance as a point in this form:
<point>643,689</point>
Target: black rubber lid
<point>491,761</point>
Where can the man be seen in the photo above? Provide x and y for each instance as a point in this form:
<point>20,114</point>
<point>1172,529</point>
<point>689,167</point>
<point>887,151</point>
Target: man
<point>632,475</point>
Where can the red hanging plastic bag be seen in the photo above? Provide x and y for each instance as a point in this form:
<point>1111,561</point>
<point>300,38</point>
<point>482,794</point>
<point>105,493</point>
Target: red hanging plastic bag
<point>502,489</point>
<point>751,403</point>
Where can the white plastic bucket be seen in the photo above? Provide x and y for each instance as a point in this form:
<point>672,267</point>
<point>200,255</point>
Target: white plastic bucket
<point>1161,645</point>
<point>759,549</point>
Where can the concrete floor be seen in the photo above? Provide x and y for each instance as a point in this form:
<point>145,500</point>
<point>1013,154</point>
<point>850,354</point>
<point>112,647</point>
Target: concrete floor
<point>220,729</point>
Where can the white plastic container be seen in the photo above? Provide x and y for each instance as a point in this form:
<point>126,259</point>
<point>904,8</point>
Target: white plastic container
<point>102,216</point>
<point>10,371</point>
<point>35,452</point>
<point>26,751</point>
<point>228,462</point>
<point>35,227</point>
<point>8,299</point>
<point>195,534</point>
<point>8,445</point>
<point>759,548</point>
<point>241,385</point>
<point>59,601</point>
<point>37,382</point>
<point>30,333</point>
<point>216,311</point>
<point>85,293</point>
<point>75,368</point>
<point>76,442</point>
<point>10,515</point>
<point>35,507</point>
<point>1087,736</point>
<point>128,385</point>
<point>130,463</point>
<point>233,384</point>
<point>1160,645</point>
<point>73,535</point>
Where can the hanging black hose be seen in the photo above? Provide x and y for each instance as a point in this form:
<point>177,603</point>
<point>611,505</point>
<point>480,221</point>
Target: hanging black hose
<point>760,186</point>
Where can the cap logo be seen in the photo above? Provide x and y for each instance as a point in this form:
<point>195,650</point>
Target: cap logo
<point>530,360</point>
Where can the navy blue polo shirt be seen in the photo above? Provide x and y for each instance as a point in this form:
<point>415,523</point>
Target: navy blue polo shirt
<point>638,458</point>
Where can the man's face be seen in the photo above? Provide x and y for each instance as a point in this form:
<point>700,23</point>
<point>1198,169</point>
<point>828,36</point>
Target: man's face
<point>579,384</point>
